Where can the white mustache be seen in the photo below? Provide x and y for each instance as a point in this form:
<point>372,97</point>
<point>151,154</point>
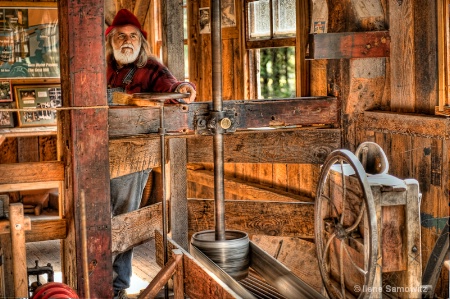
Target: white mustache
<point>127,46</point>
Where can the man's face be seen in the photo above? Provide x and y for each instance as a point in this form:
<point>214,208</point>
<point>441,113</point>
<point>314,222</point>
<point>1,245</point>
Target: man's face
<point>126,44</point>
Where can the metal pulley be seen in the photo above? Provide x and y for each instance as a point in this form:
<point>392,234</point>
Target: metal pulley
<point>54,290</point>
<point>372,158</point>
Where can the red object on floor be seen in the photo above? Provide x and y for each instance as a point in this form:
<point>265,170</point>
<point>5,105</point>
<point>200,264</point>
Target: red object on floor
<point>54,290</point>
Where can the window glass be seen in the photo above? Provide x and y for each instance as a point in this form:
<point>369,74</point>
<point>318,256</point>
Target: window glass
<point>284,18</point>
<point>276,73</point>
<point>259,19</point>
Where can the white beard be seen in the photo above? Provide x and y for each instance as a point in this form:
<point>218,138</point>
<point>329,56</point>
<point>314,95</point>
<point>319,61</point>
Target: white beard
<point>127,56</point>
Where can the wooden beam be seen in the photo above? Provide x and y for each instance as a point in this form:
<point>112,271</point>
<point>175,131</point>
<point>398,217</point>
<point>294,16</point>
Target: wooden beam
<point>84,146</point>
<point>347,45</point>
<point>427,58</point>
<point>403,75</point>
<point>310,146</point>
<point>256,217</point>
<point>49,229</point>
<point>410,124</point>
<point>7,268</point>
<point>299,146</point>
<point>302,75</point>
<point>183,119</point>
<point>28,132</point>
<point>110,11</point>
<point>2,138</point>
<point>31,172</point>
<point>141,9</point>
<point>5,225</point>
<point>173,37</point>
<point>128,155</point>
<point>176,184</point>
<point>30,186</point>
<point>244,190</point>
<point>163,276</point>
<point>134,228</point>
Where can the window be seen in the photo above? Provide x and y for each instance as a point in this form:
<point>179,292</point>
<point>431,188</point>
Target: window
<point>271,41</point>
<point>262,26</point>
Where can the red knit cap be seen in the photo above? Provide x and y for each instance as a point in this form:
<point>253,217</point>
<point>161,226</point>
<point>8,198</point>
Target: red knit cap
<point>125,17</point>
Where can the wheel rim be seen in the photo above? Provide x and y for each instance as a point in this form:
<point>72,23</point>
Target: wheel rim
<point>345,227</point>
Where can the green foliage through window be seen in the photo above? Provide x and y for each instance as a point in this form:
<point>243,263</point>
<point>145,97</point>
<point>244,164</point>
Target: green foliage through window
<point>277,72</point>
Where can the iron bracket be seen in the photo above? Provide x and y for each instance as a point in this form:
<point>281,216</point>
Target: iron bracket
<point>221,122</point>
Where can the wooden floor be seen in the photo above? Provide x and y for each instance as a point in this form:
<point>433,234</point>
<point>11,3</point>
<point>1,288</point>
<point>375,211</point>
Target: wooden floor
<point>144,267</point>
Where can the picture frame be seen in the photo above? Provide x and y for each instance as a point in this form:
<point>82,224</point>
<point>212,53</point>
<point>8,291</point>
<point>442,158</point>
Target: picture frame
<point>37,98</point>
<point>6,117</point>
<point>5,91</point>
<point>29,40</point>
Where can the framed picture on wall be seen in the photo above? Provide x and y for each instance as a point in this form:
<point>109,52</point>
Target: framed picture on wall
<point>40,102</point>
<point>5,91</point>
<point>29,40</point>
<point>6,117</point>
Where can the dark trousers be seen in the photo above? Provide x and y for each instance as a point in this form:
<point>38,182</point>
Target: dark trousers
<point>126,195</point>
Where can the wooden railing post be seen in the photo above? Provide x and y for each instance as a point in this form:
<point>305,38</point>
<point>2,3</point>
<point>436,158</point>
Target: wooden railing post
<point>19,249</point>
<point>173,267</point>
<point>178,278</point>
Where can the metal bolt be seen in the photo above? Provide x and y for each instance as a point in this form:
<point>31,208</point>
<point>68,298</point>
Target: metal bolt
<point>201,122</point>
<point>18,226</point>
<point>225,123</point>
<point>414,249</point>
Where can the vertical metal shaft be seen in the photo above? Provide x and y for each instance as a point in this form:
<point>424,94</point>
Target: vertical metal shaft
<point>162,132</point>
<point>216,54</point>
<point>84,247</point>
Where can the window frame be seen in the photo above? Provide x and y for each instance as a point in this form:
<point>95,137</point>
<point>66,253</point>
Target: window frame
<point>299,42</point>
<point>271,42</point>
<point>443,11</point>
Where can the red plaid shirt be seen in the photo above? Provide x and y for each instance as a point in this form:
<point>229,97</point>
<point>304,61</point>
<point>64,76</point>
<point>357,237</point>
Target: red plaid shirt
<point>153,77</point>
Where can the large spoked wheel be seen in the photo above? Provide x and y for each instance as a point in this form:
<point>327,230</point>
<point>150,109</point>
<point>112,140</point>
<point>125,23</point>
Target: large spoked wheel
<point>345,227</point>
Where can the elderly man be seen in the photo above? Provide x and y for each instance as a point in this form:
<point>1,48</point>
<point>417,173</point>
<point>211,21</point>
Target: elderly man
<point>132,69</point>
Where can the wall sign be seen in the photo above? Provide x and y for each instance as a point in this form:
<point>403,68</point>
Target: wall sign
<point>29,41</point>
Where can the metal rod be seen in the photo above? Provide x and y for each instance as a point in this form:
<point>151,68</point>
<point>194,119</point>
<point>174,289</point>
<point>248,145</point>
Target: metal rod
<point>85,261</point>
<point>162,132</point>
<point>216,54</point>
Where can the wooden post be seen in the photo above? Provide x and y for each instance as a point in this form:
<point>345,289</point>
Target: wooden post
<point>19,250</point>
<point>177,184</point>
<point>173,57</point>
<point>412,277</point>
<point>401,23</point>
<point>2,277</point>
<point>178,278</point>
<point>171,267</point>
<point>83,140</point>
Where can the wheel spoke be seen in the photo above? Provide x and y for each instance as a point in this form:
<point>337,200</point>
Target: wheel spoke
<point>362,271</point>
<point>341,268</point>
<point>333,235</point>
<point>332,204</point>
<point>358,220</point>
<point>341,161</point>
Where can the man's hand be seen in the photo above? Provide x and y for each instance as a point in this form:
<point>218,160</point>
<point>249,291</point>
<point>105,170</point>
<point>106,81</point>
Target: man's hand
<point>188,88</point>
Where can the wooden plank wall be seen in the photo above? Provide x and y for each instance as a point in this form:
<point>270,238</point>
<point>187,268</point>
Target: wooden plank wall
<point>404,82</point>
<point>296,178</point>
<point>420,150</point>
<point>233,55</point>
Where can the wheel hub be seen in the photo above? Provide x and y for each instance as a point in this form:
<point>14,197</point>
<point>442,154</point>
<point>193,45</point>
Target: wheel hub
<point>340,231</point>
